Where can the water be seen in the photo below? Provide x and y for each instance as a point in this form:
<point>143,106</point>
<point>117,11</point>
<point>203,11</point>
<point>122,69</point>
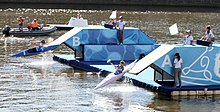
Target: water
<point>37,83</point>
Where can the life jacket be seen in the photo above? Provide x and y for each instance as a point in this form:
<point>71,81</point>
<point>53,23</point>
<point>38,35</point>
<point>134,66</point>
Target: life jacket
<point>20,20</point>
<point>35,24</point>
<point>119,70</point>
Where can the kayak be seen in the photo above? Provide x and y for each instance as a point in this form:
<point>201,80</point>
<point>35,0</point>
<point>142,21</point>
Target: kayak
<point>35,50</point>
<point>112,77</point>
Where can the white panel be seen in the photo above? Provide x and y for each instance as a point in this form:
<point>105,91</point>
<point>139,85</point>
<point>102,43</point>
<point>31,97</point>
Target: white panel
<point>113,15</point>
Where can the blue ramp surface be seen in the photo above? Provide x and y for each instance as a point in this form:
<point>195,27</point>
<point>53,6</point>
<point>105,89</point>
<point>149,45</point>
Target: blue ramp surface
<point>51,46</point>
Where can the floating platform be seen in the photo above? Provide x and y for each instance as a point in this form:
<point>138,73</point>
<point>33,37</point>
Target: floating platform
<point>154,71</point>
<point>183,91</point>
<point>70,60</point>
<point>200,70</point>
<point>73,62</point>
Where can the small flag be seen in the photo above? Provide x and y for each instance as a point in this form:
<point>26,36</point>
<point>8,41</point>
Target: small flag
<point>173,29</point>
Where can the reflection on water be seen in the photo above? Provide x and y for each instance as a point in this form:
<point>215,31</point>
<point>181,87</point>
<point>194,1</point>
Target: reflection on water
<point>37,83</point>
<point>63,93</point>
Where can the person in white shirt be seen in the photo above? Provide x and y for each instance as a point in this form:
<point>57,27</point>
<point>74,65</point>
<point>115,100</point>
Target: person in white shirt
<point>121,25</point>
<point>177,69</point>
<point>188,38</point>
<point>208,34</point>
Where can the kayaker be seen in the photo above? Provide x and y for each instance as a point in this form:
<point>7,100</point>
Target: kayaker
<point>41,45</point>
<point>119,68</point>
<point>20,23</point>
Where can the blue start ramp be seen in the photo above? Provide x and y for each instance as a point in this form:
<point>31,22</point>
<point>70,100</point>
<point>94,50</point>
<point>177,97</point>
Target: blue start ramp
<point>51,46</point>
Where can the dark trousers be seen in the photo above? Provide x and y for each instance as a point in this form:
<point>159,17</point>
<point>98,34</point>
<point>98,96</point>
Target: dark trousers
<point>35,28</point>
<point>120,36</point>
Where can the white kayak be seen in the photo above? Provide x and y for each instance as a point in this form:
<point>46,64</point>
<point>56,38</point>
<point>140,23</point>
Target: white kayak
<point>112,77</point>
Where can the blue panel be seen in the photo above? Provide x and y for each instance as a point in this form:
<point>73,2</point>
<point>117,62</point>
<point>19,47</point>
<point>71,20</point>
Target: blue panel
<point>102,36</point>
<point>115,52</point>
<point>201,65</point>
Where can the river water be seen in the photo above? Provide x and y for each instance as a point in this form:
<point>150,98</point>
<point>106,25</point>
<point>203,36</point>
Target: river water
<point>37,83</point>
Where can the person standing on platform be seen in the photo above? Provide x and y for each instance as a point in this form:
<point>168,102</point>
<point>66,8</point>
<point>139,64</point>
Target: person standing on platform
<point>121,25</point>
<point>188,37</point>
<point>177,69</point>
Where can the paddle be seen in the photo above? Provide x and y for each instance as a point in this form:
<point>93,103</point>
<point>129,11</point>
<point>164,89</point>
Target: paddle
<point>109,61</point>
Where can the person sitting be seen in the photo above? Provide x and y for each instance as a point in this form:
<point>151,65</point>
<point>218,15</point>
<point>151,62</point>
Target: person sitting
<point>20,23</point>
<point>113,22</point>
<point>6,31</point>
<point>35,25</point>
<point>41,45</point>
<point>38,48</point>
<point>119,68</point>
<point>29,26</point>
<point>208,34</point>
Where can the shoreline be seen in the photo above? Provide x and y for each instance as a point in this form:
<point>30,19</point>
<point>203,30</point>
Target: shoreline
<point>131,5</point>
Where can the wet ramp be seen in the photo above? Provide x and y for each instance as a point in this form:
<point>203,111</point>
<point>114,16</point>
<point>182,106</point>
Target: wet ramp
<point>151,58</point>
<point>51,46</point>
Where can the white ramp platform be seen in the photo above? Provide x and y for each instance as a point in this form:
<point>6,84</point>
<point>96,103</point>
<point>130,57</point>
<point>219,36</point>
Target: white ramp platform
<point>66,36</point>
<point>151,58</point>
